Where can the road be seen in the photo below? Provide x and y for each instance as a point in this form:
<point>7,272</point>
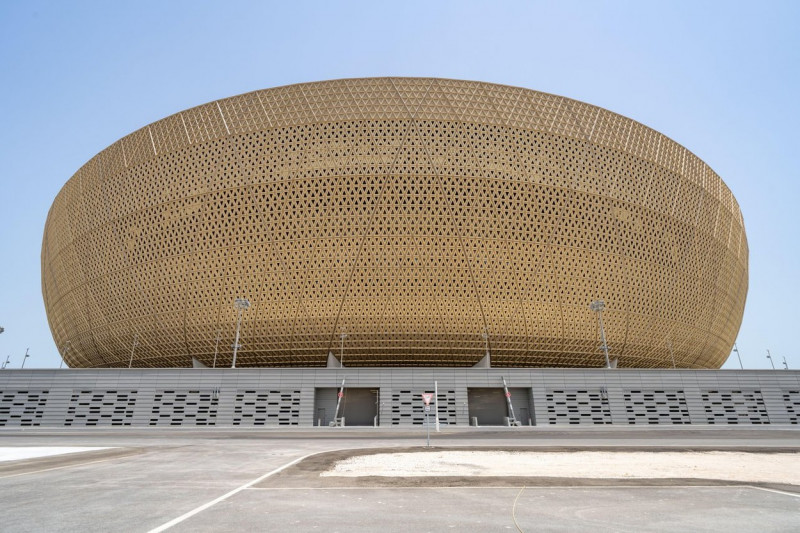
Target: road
<point>212,479</point>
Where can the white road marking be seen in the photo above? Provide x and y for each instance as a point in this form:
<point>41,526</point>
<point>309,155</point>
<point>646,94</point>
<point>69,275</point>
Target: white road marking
<point>224,497</point>
<point>776,491</point>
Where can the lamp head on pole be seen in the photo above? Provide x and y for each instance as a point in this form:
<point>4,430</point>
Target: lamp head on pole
<point>597,305</point>
<point>241,303</point>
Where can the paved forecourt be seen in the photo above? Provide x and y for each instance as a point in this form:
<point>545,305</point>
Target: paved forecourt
<point>217,479</point>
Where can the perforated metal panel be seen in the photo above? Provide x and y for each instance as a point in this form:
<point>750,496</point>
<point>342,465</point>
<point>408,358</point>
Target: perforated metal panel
<point>656,407</point>
<point>412,214</point>
<point>22,407</point>
<point>577,407</point>
<point>734,407</point>
<point>407,408</point>
<point>188,407</point>
<point>267,408</point>
<point>791,399</point>
<point>101,408</point>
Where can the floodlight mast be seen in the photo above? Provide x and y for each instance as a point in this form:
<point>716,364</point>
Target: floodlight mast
<point>64,351</point>
<point>133,349</point>
<point>736,349</point>
<point>240,304</point>
<point>343,336</point>
<point>598,306</point>
<point>769,356</point>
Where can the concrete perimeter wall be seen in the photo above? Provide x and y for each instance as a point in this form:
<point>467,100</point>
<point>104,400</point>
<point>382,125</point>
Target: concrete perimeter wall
<point>286,397</point>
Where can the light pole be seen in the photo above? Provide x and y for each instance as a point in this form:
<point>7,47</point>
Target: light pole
<point>6,363</point>
<point>343,336</point>
<point>671,354</point>
<point>785,365</point>
<point>25,358</point>
<point>770,360</point>
<point>240,304</point>
<point>485,336</point>
<point>64,351</point>
<point>735,349</point>
<point>216,349</point>
<point>598,306</point>
<point>133,348</point>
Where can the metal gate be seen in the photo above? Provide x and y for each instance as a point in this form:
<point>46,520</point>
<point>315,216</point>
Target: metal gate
<point>488,406</point>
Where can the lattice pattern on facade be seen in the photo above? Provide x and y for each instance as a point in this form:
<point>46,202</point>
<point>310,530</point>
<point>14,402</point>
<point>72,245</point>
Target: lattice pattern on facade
<point>184,408</point>
<point>22,407</point>
<point>267,408</point>
<point>734,407</point>
<point>101,408</point>
<point>407,408</point>
<point>791,399</point>
<point>577,407</point>
<point>412,214</point>
<point>656,407</point>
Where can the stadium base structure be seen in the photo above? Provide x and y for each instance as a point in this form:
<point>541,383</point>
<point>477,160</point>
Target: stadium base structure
<point>306,397</point>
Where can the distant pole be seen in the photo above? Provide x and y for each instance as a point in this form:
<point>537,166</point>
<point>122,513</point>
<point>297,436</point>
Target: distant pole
<point>6,363</point>
<point>241,304</point>
<point>598,306</point>
<point>64,351</point>
<point>343,336</point>
<point>216,349</point>
<point>736,349</point>
<point>25,358</point>
<point>770,360</point>
<point>785,365</point>
<point>436,404</point>
<point>133,348</point>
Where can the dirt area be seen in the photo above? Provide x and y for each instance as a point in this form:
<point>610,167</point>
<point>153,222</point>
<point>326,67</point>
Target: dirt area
<point>720,465</point>
<point>503,467</point>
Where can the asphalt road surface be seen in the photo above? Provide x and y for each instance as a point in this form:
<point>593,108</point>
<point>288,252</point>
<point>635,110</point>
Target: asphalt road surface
<point>179,479</point>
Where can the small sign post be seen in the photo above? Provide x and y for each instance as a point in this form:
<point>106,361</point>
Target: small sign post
<point>426,398</point>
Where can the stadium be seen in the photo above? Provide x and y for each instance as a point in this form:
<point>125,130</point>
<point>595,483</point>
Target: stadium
<point>395,222</point>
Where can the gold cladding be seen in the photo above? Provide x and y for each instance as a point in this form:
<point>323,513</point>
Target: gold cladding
<point>411,214</point>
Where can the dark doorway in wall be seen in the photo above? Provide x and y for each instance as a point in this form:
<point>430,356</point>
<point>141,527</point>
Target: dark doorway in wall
<point>359,406</point>
<point>490,407</point>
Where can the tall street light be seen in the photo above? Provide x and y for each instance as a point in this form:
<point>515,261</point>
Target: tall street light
<point>8,360</point>
<point>133,348</point>
<point>216,349</point>
<point>598,306</point>
<point>64,351</point>
<point>735,349</point>
<point>240,304</point>
<point>770,360</point>
<point>785,365</point>
<point>25,358</point>
<point>343,336</point>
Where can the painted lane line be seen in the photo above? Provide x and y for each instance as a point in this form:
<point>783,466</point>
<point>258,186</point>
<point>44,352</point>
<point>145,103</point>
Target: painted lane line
<point>224,497</point>
<point>776,491</point>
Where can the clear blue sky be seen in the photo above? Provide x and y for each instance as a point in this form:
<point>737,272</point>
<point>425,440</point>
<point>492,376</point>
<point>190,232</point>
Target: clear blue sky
<point>720,77</point>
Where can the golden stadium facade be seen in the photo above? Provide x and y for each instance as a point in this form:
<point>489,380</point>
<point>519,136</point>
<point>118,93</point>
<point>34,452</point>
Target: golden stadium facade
<point>426,219</point>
